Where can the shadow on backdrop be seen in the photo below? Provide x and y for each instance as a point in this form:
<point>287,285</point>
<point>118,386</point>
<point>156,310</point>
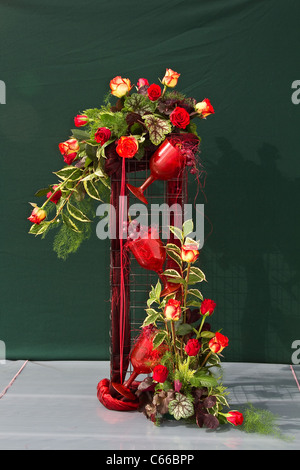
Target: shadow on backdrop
<point>253,208</point>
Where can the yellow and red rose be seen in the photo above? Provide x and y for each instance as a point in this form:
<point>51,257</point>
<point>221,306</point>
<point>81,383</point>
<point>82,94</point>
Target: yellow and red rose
<point>142,82</point>
<point>69,150</point>
<point>37,215</point>
<point>218,343</point>
<point>120,86</point>
<point>172,310</point>
<point>204,108</point>
<point>171,78</point>
<point>189,254</point>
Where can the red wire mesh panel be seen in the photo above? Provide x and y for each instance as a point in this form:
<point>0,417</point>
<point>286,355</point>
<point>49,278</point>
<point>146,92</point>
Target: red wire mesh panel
<point>138,281</point>
<point>124,269</point>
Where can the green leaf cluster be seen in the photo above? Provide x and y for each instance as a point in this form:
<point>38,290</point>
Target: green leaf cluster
<point>181,407</point>
<point>140,104</point>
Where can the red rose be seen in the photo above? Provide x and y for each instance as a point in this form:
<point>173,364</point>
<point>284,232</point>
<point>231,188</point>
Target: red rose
<point>218,343</point>
<point>172,310</point>
<point>37,215</point>
<point>102,135</point>
<point>69,150</point>
<point>127,146</point>
<point>192,347</point>
<point>235,417</point>
<point>56,196</point>
<point>154,92</point>
<point>207,307</point>
<point>81,120</point>
<point>160,374</point>
<point>180,117</point>
<point>189,254</point>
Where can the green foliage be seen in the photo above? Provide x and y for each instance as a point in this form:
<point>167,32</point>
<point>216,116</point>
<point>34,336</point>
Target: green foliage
<point>137,103</point>
<point>116,122</point>
<point>68,239</point>
<point>158,128</point>
<point>261,421</point>
<point>181,407</point>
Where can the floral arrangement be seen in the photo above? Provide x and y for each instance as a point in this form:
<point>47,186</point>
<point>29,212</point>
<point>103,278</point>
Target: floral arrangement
<point>141,119</point>
<point>185,382</point>
<point>182,355</point>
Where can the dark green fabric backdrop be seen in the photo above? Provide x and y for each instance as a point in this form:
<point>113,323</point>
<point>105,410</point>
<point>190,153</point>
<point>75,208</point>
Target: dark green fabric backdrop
<point>56,59</point>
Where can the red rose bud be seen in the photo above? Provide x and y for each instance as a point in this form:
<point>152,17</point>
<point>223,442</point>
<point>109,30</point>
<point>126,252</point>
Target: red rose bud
<point>172,310</point>
<point>56,196</point>
<point>120,86</point>
<point>171,78</point>
<point>204,108</point>
<point>154,92</point>
<point>218,343</point>
<point>160,374</point>
<point>127,147</point>
<point>81,120</point>
<point>37,215</point>
<point>207,307</point>
<point>235,417</point>
<point>177,385</point>
<point>142,82</point>
<point>102,135</point>
<point>69,150</point>
<point>189,254</point>
<point>180,117</point>
<point>192,347</point>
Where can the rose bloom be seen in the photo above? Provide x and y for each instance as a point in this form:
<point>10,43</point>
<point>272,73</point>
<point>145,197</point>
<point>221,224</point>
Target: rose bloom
<point>189,254</point>
<point>56,197</point>
<point>69,150</point>
<point>192,347</point>
<point>207,307</point>
<point>172,310</point>
<point>142,82</point>
<point>180,117</point>
<point>204,108</point>
<point>160,374</point>
<point>102,135</point>
<point>120,86</point>
<point>154,92</point>
<point>80,120</point>
<point>127,146</point>
<point>235,417</point>
<point>171,78</point>
<point>218,343</point>
<point>37,215</point>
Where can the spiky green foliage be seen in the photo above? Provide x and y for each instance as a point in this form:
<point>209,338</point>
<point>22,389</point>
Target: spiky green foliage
<point>67,241</point>
<point>261,421</point>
